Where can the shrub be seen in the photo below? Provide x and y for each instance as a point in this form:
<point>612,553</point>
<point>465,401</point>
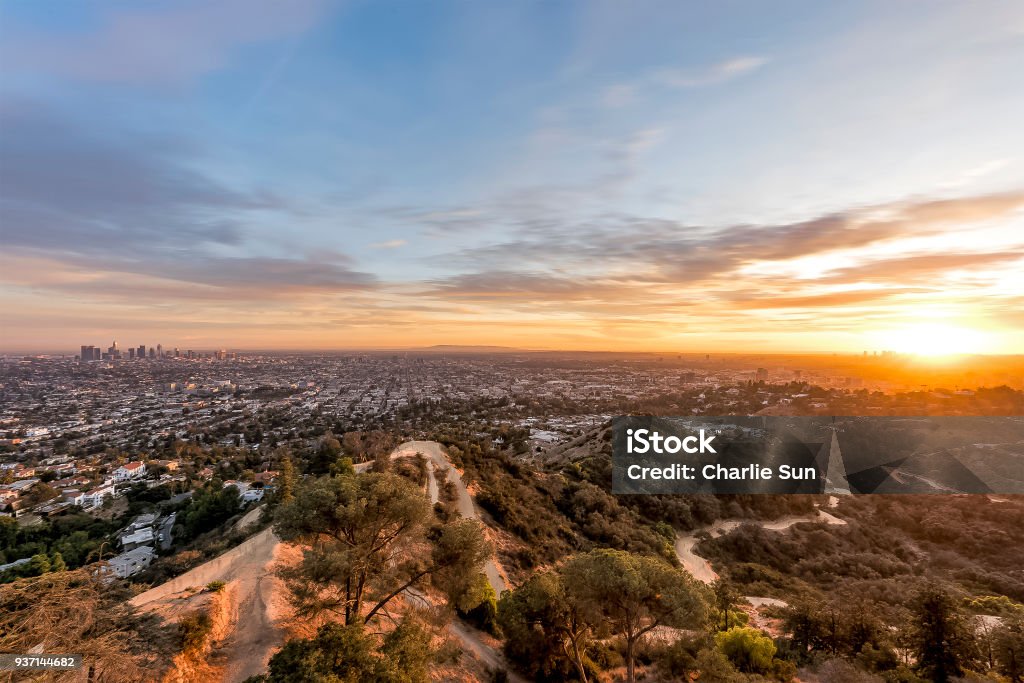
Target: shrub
<point>193,630</point>
<point>748,649</point>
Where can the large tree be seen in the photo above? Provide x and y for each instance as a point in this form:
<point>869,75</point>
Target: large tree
<point>941,635</point>
<point>635,594</point>
<point>367,539</point>
<point>542,618</point>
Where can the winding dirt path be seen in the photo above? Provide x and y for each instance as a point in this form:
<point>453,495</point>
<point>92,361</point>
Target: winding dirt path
<point>701,568</point>
<point>438,460</point>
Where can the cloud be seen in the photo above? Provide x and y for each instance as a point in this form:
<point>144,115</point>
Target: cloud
<point>679,78</point>
<point>150,45</point>
<point>927,267</point>
<point>64,188</point>
<point>716,73</point>
<point>671,251</point>
<point>188,278</point>
<point>615,265</point>
<point>831,300</point>
<point>108,207</point>
<point>389,244</point>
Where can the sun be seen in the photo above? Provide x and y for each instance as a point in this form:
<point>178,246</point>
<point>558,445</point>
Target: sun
<point>934,340</point>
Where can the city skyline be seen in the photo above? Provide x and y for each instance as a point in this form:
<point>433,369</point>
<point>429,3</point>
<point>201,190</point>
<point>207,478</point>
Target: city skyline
<point>680,177</point>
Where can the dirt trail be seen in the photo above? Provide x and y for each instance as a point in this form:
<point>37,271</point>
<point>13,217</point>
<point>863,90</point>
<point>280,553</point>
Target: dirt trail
<point>701,568</point>
<point>438,460</point>
<point>471,640</point>
<point>257,610</point>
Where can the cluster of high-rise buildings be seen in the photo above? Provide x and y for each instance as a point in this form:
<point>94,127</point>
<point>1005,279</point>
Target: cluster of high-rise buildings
<point>91,353</point>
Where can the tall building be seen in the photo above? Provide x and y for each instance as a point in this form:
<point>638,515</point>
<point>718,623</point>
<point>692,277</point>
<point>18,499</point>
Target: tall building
<point>177,353</point>
<point>87,353</point>
<point>141,353</point>
<point>159,350</point>
<point>131,354</point>
<point>152,352</point>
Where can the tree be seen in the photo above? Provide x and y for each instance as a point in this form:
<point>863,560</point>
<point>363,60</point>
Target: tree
<point>542,617</point>
<point>367,540</point>
<point>803,622</point>
<point>1008,642</point>
<point>748,649</point>
<point>634,594</point>
<point>327,451</point>
<point>941,636</point>
<point>726,597</point>
<point>286,482</point>
<point>209,507</point>
<point>348,654</point>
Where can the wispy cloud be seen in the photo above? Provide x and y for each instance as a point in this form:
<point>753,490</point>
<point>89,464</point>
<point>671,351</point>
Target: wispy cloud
<point>389,244</point>
<point>716,73</point>
<point>622,94</point>
<point>152,45</point>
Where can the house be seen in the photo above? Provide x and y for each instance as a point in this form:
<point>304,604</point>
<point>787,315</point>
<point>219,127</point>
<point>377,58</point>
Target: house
<point>52,508</point>
<point>247,493</point>
<point>131,562</point>
<point>63,469</point>
<point>139,532</point>
<point>15,508</point>
<point>131,470</point>
<point>137,538</point>
<point>70,482</point>
<point>252,495</point>
<point>73,496</point>
<point>266,478</point>
<point>95,497</point>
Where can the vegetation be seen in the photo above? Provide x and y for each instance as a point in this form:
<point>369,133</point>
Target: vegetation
<point>350,654</point>
<point>77,612</point>
<point>366,539</point>
<point>210,506</point>
<point>67,541</point>
<point>559,613</point>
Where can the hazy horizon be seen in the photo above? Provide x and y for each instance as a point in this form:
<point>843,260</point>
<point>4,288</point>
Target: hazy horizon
<point>947,359</point>
<point>814,178</point>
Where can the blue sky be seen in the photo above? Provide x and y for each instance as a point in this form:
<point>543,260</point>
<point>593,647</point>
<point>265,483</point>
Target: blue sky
<point>581,175</point>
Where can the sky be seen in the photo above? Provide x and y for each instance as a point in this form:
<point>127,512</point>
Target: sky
<point>691,176</point>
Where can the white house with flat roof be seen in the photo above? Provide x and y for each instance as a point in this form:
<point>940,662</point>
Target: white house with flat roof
<point>131,562</point>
